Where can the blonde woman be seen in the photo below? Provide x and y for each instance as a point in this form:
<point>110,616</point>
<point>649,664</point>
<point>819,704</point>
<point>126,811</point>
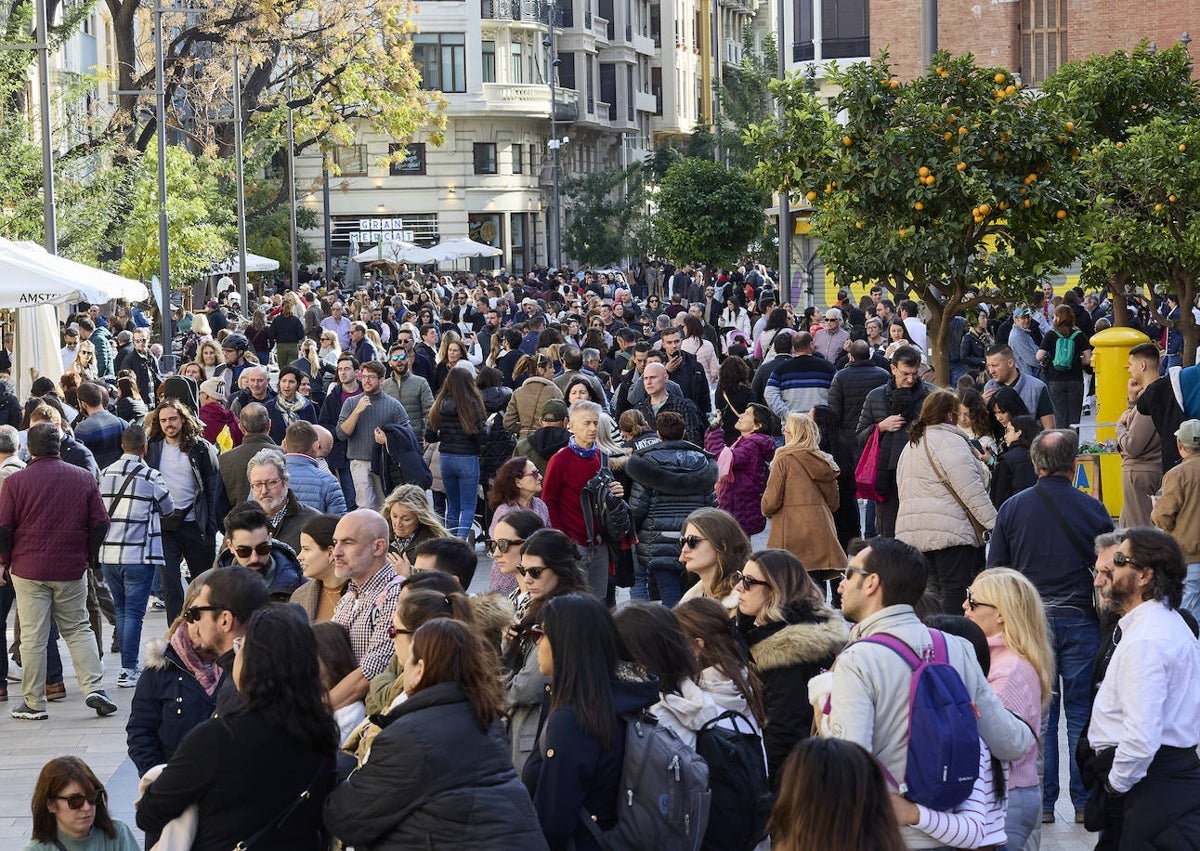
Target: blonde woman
<point>412,521</point>
<point>801,495</point>
<point>1009,610</point>
<point>85,361</point>
<point>209,356</point>
<point>331,349</point>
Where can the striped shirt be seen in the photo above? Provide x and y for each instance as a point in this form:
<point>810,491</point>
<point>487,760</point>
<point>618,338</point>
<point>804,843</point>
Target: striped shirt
<point>135,534</point>
<point>977,822</point>
<point>366,610</point>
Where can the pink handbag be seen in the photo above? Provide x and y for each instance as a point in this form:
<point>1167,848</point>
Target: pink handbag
<point>868,466</point>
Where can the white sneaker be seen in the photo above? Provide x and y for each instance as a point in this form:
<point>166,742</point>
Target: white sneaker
<point>128,678</point>
<point>14,672</point>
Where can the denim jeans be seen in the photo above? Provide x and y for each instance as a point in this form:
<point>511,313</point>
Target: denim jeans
<point>1024,814</point>
<point>64,603</point>
<point>130,587</point>
<point>669,589</point>
<point>460,475</point>
<point>1191,589</point>
<point>1076,641</point>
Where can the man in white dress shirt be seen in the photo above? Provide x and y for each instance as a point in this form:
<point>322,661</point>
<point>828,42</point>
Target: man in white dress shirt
<point>1145,723</point>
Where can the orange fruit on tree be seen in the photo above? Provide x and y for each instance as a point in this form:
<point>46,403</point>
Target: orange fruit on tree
<point>923,171</point>
<point>1060,214</point>
<point>858,225</point>
<point>1158,208</point>
<point>918,206</point>
<point>1172,198</point>
<point>811,195</point>
<point>847,141</point>
<point>962,131</point>
<point>1182,148</point>
<point>1070,125</point>
<point>961,166</point>
<point>1028,204</point>
<point>947,136</point>
<point>1000,78</point>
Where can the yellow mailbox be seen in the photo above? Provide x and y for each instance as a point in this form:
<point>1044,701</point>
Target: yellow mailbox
<point>1109,360</point>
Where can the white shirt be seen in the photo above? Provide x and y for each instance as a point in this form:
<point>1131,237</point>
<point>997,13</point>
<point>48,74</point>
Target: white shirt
<point>68,356</point>
<point>916,330</point>
<point>1150,695</point>
<point>176,469</point>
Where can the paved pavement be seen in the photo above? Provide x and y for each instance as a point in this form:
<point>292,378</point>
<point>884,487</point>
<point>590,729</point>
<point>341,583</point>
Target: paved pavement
<point>74,729</point>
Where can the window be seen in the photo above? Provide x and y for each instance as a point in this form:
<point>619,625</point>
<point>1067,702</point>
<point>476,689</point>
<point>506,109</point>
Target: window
<point>591,84</point>
<point>802,48</point>
<point>566,70</point>
<point>608,88</point>
<point>352,160</point>
<point>518,159</point>
<point>1043,39</point>
<point>845,30</point>
<point>485,157</point>
<point>442,60</point>
<point>518,66</point>
<point>489,62</point>
<point>413,161</point>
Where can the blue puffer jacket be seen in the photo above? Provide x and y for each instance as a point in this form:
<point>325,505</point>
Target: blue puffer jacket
<point>313,486</point>
<point>167,704</point>
<point>671,479</point>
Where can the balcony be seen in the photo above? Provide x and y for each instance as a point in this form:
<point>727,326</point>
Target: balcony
<point>530,100</point>
<point>512,10</point>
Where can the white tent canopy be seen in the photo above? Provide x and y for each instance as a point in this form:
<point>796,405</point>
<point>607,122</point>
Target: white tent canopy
<point>254,263</point>
<point>396,251</point>
<point>460,248</point>
<point>29,276</point>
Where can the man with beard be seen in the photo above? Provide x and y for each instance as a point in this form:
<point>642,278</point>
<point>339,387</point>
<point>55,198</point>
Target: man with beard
<point>1145,722</point>
<point>227,598</point>
<point>270,487</point>
<point>249,544</point>
<point>410,390</point>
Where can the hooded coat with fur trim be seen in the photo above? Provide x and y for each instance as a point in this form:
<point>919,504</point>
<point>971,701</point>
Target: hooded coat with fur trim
<point>671,479</point>
<point>786,655</point>
<point>167,704</point>
<point>800,498</point>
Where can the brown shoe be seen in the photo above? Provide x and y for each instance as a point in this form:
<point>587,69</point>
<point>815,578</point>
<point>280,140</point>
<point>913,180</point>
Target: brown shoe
<point>56,691</point>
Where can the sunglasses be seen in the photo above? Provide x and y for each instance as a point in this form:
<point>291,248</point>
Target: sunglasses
<point>1122,560</point>
<point>503,545</point>
<point>193,613</point>
<point>399,357</point>
<point>260,549</point>
<point>749,582</point>
<point>77,801</point>
<point>531,572</point>
<point>393,631</point>
<point>851,569</point>
<point>691,541</point>
<point>974,604</point>
<point>536,474</point>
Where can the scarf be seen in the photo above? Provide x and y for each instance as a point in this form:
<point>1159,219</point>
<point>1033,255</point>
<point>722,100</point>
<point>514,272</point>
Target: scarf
<point>580,451</point>
<point>204,672</point>
<point>290,411</point>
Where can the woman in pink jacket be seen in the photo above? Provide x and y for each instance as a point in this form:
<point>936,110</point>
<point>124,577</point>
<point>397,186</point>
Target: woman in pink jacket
<point>743,465</point>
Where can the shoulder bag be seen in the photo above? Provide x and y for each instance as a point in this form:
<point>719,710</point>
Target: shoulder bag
<point>980,530</point>
<point>283,816</point>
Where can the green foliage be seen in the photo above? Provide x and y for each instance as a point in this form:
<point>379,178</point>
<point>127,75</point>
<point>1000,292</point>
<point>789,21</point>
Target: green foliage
<point>200,222</point>
<point>745,97</point>
<point>1142,226</point>
<point>992,212</point>
<point>607,215</point>
<point>707,213</point>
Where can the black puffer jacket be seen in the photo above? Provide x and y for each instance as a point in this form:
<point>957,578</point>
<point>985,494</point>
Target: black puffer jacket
<point>454,440</point>
<point>435,780</point>
<point>168,703</point>
<point>848,393</point>
<point>670,479</point>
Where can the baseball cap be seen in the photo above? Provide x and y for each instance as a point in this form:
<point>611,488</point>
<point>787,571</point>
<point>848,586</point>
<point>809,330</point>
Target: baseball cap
<point>556,409</point>
<point>1189,434</point>
<point>1021,311</point>
<point>213,387</point>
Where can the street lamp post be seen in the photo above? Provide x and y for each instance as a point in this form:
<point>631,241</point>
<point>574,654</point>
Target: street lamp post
<point>241,187</point>
<point>164,245</point>
<point>554,233</point>
<point>291,175</point>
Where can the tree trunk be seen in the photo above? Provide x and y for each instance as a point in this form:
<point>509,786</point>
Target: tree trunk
<point>1120,301</point>
<point>1185,288</point>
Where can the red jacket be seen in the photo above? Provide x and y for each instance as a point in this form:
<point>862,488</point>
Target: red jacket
<point>216,416</point>
<point>51,520</point>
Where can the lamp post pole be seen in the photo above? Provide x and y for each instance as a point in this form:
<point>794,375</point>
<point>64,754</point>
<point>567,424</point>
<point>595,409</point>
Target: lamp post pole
<point>160,119</point>
<point>43,51</point>
<point>241,188</point>
<point>555,231</point>
<point>291,175</point>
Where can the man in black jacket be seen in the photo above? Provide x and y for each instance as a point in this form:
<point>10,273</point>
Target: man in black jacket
<point>686,371</point>
<point>849,391</point>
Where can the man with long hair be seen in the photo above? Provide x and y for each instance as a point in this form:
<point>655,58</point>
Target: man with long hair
<point>176,448</point>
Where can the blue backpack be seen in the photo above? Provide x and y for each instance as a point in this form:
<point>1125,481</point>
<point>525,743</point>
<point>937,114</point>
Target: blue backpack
<point>943,734</point>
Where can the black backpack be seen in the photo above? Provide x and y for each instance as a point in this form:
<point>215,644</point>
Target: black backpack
<point>496,445</point>
<point>737,776</point>
<point>604,514</point>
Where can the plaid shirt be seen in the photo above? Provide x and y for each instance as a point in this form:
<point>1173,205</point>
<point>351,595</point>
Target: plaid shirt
<point>135,534</point>
<point>366,612</point>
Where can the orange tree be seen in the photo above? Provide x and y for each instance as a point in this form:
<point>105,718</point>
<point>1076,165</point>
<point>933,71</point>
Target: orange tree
<point>1140,134</point>
<point>956,186</point>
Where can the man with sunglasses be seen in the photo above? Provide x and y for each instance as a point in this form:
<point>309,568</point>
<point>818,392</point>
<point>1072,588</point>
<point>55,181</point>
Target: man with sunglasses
<point>410,390</point>
<point>218,616</point>
<point>1046,532</point>
<point>869,696</point>
<point>248,543</point>
<point>1145,722</point>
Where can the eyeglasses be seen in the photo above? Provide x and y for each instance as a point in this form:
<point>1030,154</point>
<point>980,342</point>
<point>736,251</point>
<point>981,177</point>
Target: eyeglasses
<point>77,800</point>
<point>852,569</point>
<point>270,484</point>
<point>503,545</point>
<point>691,541</point>
<point>536,632</point>
<point>974,604</point>
<point>537,474</point>
<point>531,572</point>
<point>1121,560</point>
<point>393,631</point>
<point>749,582</point>
<point>261,549</point>
<point>192,613</point>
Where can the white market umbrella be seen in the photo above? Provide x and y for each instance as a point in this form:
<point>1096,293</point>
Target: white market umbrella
<point>396,251</point>
<point>254,263</point>
<point>461,248</point>
<point>29,275</point>
<point>36,347</point>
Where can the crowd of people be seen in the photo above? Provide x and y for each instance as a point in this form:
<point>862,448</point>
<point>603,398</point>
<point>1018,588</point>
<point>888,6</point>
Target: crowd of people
<point>306,493</point>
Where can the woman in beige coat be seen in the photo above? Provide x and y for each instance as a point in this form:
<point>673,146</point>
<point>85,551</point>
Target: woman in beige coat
<point>944,503</point>
<point>524,413</point>
<point>800,497</point>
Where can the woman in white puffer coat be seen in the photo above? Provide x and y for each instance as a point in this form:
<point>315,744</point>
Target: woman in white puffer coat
<point>944,504</point>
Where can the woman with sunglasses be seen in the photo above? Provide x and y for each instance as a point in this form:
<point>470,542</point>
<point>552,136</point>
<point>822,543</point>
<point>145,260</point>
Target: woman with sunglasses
<point>743,464</point>
<point>714,546</point>
<point>549,567</point>
<point>792,637</point>
<point>439,775</point>
<point>1009,610</point>
<point>537,387</point>
<point>85,361</point>
<point>580,744</point>
<point>70,810</point>
<point>515,488</point>
<point>260,773</point>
